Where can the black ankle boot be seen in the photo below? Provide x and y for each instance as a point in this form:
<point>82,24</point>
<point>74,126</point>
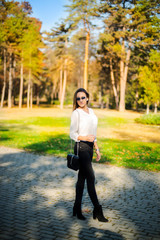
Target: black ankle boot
<point>77,212</point>
<point>97,213</point>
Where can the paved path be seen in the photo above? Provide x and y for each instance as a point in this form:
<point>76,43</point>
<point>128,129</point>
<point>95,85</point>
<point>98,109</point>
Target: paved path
<point>37,194</point>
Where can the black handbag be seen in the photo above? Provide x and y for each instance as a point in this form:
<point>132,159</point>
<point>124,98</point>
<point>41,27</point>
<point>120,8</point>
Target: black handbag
<point>73,159</point>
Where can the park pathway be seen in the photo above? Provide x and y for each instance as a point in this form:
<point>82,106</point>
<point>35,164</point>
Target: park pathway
<point>37,195</point>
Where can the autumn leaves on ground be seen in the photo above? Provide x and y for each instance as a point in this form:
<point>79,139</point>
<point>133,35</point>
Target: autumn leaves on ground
<point>122,141</point>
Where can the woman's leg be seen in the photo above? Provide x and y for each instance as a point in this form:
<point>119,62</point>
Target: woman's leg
<point>79,193</point>
<point>89,174</point>
<point>91,186</point>
<point>79,188</point>
<point>86,158</point>
<point>80,180</point>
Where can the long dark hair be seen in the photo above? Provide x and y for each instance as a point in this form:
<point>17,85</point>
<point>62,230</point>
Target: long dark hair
<point>75,104</point>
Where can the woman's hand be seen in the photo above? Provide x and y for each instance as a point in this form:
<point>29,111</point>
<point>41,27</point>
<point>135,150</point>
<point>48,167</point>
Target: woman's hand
<point>90,138</point>
<point>98,156</point>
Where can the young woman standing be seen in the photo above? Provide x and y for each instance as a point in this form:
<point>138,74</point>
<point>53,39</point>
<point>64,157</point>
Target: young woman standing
<point>83,131</point>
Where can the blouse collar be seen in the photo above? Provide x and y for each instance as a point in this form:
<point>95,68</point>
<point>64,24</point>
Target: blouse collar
<point>84,111</point>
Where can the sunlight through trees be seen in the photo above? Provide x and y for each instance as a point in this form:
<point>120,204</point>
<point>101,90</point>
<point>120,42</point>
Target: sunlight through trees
<point>117,61</point>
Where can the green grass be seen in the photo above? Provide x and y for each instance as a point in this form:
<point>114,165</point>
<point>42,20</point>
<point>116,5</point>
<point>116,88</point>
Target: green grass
<point>153,119</point>
<point>49,135</point>
<point>111,121</point>
<point>138,155</point>
<point>42,121</point>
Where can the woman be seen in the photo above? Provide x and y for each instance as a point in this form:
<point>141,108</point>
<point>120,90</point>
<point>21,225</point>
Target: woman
<point>83,131</point>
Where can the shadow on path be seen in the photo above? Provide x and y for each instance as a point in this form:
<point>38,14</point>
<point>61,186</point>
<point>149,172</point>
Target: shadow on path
<point>37,194</point>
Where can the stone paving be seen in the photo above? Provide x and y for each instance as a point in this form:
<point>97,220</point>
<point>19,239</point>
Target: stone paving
<point>37,194</point>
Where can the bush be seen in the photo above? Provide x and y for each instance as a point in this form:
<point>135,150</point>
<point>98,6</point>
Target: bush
<point>153,119</point>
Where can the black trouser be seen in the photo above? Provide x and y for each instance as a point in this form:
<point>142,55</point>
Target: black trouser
<point>85,173</point>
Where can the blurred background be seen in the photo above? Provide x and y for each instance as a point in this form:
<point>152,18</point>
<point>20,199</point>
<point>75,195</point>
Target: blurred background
<point>50,48</point>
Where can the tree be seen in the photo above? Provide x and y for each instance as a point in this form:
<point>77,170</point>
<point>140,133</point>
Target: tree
<point>129,24</point>
<point>7,42</point>
<point>149,79</point>
<point>81,13</point>
<point>2,45</point>
<point>12,26</point>
<point>109,66</point>
<point>30,54</point>
<point>25,26</point>
<point>59,38</point>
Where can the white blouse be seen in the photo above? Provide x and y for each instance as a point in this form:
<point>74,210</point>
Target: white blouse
<point>87,124</point>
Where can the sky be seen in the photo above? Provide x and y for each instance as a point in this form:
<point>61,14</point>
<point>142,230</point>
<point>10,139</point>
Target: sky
<point>49,12</point>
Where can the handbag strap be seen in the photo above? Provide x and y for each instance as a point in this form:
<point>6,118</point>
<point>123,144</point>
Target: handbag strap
<point>77,147</point>
<point>78,132</point>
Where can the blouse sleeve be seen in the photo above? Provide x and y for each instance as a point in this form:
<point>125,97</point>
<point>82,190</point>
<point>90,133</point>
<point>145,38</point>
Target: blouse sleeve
<point>74,126</point>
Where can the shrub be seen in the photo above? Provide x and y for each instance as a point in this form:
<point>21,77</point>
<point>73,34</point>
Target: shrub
<point>152,118</point>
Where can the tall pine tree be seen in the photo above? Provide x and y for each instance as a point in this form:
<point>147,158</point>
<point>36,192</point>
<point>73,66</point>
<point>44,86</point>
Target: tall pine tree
<point>128,24</point>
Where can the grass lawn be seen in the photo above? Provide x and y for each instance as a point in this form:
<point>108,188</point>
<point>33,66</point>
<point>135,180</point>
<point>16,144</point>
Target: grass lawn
<point>122,141</point>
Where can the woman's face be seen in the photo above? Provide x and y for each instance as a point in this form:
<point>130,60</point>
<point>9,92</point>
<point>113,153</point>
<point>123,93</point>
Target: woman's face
<point>81,99</point>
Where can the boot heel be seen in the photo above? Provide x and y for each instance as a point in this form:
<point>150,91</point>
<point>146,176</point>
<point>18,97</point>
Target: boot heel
<point>94,215</point>
<point>98,213</point>
<point>74,212</point>
<point>77,212</point>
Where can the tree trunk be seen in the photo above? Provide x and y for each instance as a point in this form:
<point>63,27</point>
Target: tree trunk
<point>100,99</point>
<point>136,99</point>
<point>38,98</point>
<point>113,84</point>
<point>4,79</point>
<point>155,108</point>
<point>60,84</point>
<point>123,77</point>
<point>107,101</point>
<point>29,88</point>
<point>10,82</point>
<point>80,77</point>
<point>122,87</point>
<point>64,84</point>
<point>127,62</point>
<point>21,86</point>
<point>55,88</point>
<point>101,94</point>
<point>85,83</point>
<point>147,110</point>
<point>13,79</point>
<point>31,99</point>
<point>53,93</point>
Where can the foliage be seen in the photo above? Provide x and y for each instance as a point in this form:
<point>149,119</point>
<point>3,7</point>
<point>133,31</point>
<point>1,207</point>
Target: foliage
<point>129,26</point>
<point>153,119</point>
<point>149,79</point>
<point>128,49</point>
<point>21,38</point>
<point>81,13</point>
<point>30,45</point>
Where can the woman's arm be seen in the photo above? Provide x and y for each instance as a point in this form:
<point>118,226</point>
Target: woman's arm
<point>97,151</point>
<point>74,126</point>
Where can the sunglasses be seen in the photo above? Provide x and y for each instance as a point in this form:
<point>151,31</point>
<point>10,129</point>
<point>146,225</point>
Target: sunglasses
<point>82,98</point>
